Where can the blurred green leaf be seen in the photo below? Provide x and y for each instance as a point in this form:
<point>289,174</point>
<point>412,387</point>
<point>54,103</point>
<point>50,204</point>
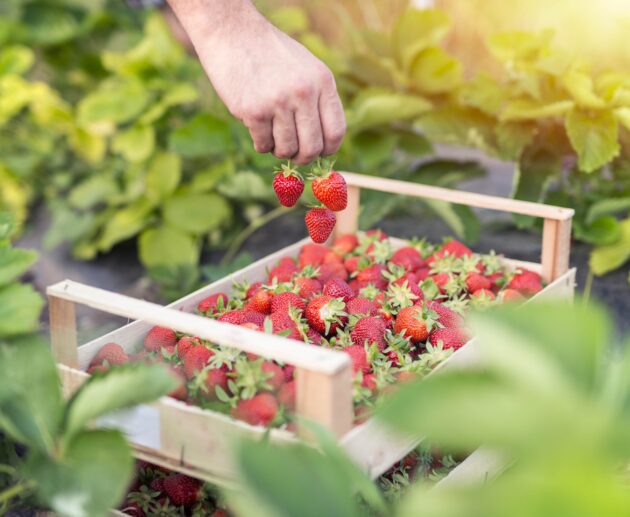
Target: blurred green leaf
<point>601,231</point>
<point>593,135</point>
<point>20,306</point>
<point>167,246</point>
<point>163,176</point>
<point>92,191</point>
<point>611,256</point>
<point>607,207</point>
<point>245,185</point>
<point>376,107</point>
<point>433,71</point>
<point>460,218</point>
<point>531,110</point>
<point>135,144</point>
<point>513,138</point>
<point>15,59</point>
<point>203,135</point>
<point>196,213</point>
<point>125,223</point>
<point>214,272</point>
<point>90,146</point>
<point>417,29</point>
<point>48,24</point>
<point>14,263</point>
<point>175,280</point>
<point>289,19</point>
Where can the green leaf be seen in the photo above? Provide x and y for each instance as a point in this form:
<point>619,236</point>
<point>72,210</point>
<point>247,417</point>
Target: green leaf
<point>593,135</point>
<point>416,30</point>
<point>329,491</point>
<point>513,138</point>
<point>580,87</point>
<point>30,398</point>
<point>512,46</point>
<point>611,256</point>
<point>607,207</point>
<point>213,272</point>
<point>433,71</point>
<point>203,135</point>
<point>20,306</point>
<point>119,388</point>
<point>197,213</point>
<point>163,176</point>
<point>14,263</point>
<point>90,192</point>
<point>7,226</point>
<point>532,110</point>
<point>207,179</point>
<point>176,280</point>
<point>125,223</point>
<point>601,231</point>
<point>484,93</point>
<point>245,186</point>
<point>15,59</point>
<point>375,107</point>
<point>289,19</point>
<point>135,144</point>
<point>46,24</point>
<point>460,218</point>
<point>167,246</point>
<point>372,148</point>
<point>181,93</point>
<point>89,479</point>
<point>90,146</point>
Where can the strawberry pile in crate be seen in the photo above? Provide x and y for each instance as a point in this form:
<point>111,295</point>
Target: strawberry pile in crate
<point>396,311</point>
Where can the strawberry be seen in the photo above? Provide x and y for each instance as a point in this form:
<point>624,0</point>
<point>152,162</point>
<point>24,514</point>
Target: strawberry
<point>215,377</point>
<point>485,294</point>
<point>373,275</point>
<point>446,316</point>
<point>454,338</point>
<point>527,283</point>
<point>288,186</point>
<point>338,288</point>
<point>286,395</point>
<point>196,359</point>
<point>370,330</point>
<point>330,188</point>
<point>422,273</point>
<point>455,248</point>
<point>496,281</point>
<point>281,322</point>
<point>332,256</point>
<point>185,344</point>
<point>210,304</point>
<point>407,257</point>
<point>332,270</point>
<point>314,337</point>
<point>281,302</point>
<point>475,281</point>
<point>259,410</point>
<point>376,235</point>
<point>179,393</point>
<point>346,243</point>
<point>307,287</point>
<point>352,264</point>
<point>411,281</point>
<point>112,353</point>
<point>277,379</point>
<point>413,323</point>
<point>312,255</point>
<point>282,273</point>
<point>234,317</point>
<point>325,314</point>
<point>369,382</point>
<point>358,357</point>
<point>289,371</point>
<point>251,290</point>
<point>260,301</point>
<point>182,490</point>
<point>320,223</point>
<point>361,306</point>
<point>511,295</point>
<point>159,337</point>
<point>254,317</point>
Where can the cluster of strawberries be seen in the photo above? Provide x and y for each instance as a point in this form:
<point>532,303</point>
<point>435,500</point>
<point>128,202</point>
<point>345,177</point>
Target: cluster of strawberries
<point>156,491</point>
<point>329,187</point>
<point>396,312</point>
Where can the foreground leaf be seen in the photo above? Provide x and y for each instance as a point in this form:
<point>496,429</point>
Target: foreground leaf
<point>607,258</point>
<point>20,306</point>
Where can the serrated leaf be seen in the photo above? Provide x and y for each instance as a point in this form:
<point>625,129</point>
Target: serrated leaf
<point>135,144</point>
<point>165,246</point>
<point>197,213</point>
<point>121,387</point>
<point>604,259</point>
<point>433,71</point>
<point>14,263</point>
<point>594,136</point>
<point>163,176</point>
<point>580,87</point>
<point>20,306</point>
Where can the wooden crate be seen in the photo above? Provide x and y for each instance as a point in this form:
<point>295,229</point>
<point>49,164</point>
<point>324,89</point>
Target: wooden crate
<point>198,442</point>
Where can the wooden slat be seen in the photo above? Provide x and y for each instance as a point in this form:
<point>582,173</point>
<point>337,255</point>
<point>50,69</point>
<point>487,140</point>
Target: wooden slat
<point>556,246</point>
<point>348,219</point>
<point>63,330</point>
<point>457,196</point>
<point>325,399</point>
<point>279,348</point>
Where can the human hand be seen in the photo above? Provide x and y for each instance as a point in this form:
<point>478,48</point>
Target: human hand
<point>284,95</point>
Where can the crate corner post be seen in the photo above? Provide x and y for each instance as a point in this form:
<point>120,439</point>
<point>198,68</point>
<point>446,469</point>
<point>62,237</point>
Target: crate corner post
<point>63,327</point>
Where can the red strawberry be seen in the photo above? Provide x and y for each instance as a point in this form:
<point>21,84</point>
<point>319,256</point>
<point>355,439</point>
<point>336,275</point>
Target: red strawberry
<point>352,264</point>
<point>475,281</point>
<point>422,273</point>
<point>314,337</point>
<point>179,393</point>
<point>332,270</point>
<point>113,353</point>
<point>260,301</point>
<point>369,382</point>
<point>456,248</point>
<point>157,485</point>
<point>259,410</point>
<point>454,338</point>
<point>361,306</point>
<point>196,359</point>
<point>407,257</point>
<point>312,255</point>
<point>182,490</point>
<point>159,337</point>
<point>494,280</point>
<point>282,273</point>
<point>288,186</point>
<point>332,256</point>
<point>412,322</point>
<point>527,283</point>
<point>185,344</point>
<point>346,243</point>
<point>370,330</point>
<point>210,303</point>
<point>234,317</point>
<point>446,316</point>
<point>289,371</point>
<point>254,317</point>
<point>307,287</point>
<point>252,289</point>
<point>320,223</point>
<point>338,288</point>
<point>358,357</point>
<point>286,395</point>
<point>325,314</point>
<point>373,275</point>
<point>511,295</point>
<point>281,302</point>
<point>215,377</point>
<point>441,279</point>
<point>376,235</point>
<point>412,283</point>
<point>330,188</point>
<point>281,322</point>
<point>483,293</point>
<point>277,379</point>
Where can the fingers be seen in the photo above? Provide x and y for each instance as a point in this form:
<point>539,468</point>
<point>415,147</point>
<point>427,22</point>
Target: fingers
<point>284,135</point>
<point>309,132</point>
<point>262,134</point>
<point>333,120</point>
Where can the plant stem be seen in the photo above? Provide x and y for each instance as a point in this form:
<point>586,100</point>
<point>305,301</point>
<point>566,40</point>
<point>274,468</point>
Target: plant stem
<point>7,469</point>
<point>15,491</point>
<point>587,286</point>
<point>249,230</point>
